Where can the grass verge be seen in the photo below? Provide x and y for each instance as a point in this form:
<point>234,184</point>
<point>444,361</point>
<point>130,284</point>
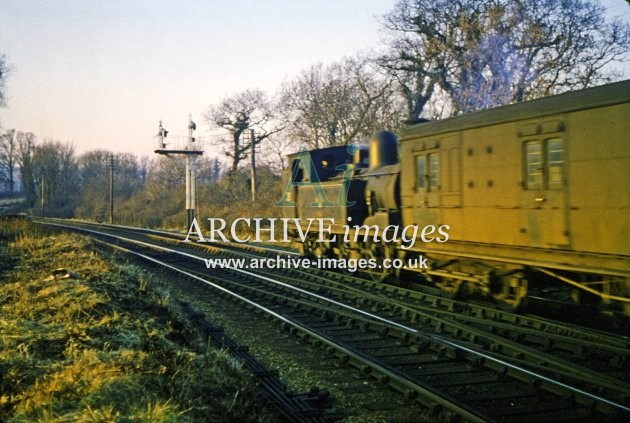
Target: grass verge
<point>104,344</point>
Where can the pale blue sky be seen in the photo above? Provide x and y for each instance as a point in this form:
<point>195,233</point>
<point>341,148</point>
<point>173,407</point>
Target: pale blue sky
<point>101,74</point>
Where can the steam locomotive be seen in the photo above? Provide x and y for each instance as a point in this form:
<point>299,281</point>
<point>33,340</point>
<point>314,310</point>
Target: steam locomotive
<point>529,195</point>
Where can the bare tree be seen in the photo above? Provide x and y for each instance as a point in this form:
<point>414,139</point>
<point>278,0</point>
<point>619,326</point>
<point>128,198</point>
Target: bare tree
<point>5,70</point>
<point>484,54</point>
<point>412,68</point>
<point>128,172</point>
<point>8,142</point>
<point>26,145</point>
<point>55,167</point>
<point>239,115</point>
<point>94,184</point>
<point>209,170</point>
<point>339,103</point>
<point>274,156</point>
<point>8,157</point>
<point>93,173</point>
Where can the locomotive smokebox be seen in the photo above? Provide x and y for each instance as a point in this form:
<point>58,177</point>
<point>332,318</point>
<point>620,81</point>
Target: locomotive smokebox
<point>383,150</point>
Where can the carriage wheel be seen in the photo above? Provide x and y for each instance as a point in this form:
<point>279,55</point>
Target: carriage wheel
<point>512,294</point>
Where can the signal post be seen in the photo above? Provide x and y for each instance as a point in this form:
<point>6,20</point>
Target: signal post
<point>189,151</point>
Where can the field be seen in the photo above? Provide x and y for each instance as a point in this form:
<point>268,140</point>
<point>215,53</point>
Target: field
<point>100,341</point>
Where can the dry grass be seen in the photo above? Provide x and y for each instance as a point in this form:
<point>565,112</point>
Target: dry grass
<point>107,346</point>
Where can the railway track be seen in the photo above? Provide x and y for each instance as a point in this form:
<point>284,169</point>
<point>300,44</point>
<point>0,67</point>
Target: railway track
<point>455,359</point>
<point>595,360</point>
<point>312,407</point>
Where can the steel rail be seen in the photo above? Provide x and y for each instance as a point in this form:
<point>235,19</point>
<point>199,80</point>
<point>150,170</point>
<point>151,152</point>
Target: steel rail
<point>365,314</point>
<point>395,378</point>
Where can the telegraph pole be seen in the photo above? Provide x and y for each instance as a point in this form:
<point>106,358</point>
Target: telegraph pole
<point>253,154</point>
<point>111,189</point>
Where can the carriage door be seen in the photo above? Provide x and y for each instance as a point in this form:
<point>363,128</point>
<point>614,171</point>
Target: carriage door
<point>544,193</point>
<point>437,184</point>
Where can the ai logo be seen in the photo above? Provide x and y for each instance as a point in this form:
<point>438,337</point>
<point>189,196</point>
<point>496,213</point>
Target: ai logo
<point>304,163</point>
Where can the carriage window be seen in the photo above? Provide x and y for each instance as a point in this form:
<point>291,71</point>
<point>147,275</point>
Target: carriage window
<point>434,172</point>
<point>421,172</point>
<point>428,172</point>
<point>534,165</point>
<point>544,163</point>
<point>555,161</point>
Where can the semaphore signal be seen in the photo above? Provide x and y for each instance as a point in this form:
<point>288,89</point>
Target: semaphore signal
<point>190,152</point>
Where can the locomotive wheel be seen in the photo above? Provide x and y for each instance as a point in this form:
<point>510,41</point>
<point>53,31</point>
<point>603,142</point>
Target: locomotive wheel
<point>377,253</point>
<point>314,249</point>
<point>345,253</point>
<point>308,247</point>
<point>322,249</point>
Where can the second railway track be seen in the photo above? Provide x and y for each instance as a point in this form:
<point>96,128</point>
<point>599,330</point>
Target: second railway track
<point>450,357</point>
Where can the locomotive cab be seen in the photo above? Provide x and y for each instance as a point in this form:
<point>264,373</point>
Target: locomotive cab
<point>320,184</point>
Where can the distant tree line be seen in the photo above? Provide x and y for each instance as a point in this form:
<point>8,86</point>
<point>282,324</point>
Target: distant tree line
<point>438,58</point>
<point>56,181</point>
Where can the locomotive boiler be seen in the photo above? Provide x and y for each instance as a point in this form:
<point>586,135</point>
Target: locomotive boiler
<point>526,196</point>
